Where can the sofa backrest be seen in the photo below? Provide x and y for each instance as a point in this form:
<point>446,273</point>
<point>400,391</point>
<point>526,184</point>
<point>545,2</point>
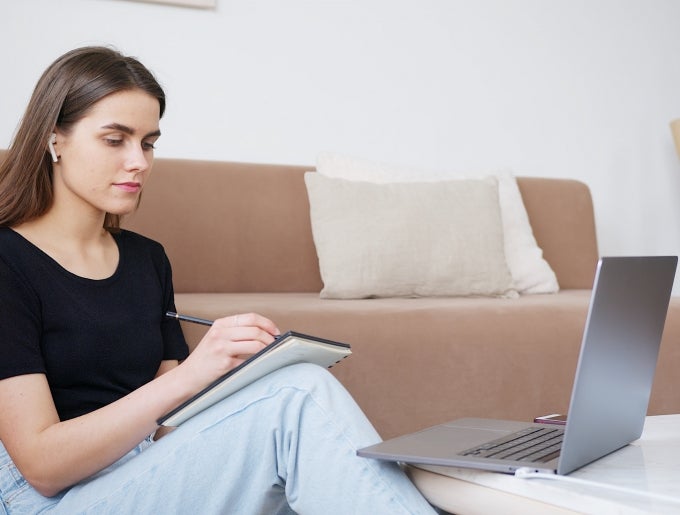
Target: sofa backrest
<point>231,227</point>
<point>237,227</point>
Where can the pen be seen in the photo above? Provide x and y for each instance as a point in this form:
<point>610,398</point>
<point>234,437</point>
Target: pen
<point>187,318</point>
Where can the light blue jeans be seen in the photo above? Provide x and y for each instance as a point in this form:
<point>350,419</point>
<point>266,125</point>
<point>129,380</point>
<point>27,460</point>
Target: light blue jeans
<point>285,444</point>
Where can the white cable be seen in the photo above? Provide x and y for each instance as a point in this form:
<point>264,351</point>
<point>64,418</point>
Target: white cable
<point>529,473</point>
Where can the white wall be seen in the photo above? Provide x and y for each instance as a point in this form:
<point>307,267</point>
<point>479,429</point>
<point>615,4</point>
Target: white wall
<point>564,88</point>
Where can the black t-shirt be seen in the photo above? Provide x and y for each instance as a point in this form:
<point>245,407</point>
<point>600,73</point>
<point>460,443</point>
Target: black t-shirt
<point>95,340</point>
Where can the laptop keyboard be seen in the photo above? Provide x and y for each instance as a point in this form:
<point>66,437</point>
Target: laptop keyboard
<point>531,444</point>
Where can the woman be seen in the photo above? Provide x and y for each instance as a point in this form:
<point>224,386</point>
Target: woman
<point>90,362</point>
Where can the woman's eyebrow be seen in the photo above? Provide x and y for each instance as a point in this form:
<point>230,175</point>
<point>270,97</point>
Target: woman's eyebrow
<point>129,130</point>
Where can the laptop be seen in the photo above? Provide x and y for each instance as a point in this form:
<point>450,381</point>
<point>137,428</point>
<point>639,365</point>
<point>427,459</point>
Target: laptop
<point>610,393</point>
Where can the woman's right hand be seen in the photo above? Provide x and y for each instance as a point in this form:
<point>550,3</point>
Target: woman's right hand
<point>228,342</point>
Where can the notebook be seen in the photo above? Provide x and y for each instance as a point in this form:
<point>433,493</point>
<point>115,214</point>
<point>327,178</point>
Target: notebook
<point>610,394</point>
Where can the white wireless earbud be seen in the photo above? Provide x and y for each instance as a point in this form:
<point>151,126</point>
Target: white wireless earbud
<point>50,144</point>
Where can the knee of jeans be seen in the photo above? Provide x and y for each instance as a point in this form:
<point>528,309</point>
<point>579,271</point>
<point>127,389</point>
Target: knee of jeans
<point>308,376</point>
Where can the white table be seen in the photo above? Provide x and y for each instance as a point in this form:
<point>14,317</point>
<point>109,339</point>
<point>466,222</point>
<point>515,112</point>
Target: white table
<point>648,469</point>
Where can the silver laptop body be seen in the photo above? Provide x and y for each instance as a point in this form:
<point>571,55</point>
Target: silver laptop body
<point>611,388</point>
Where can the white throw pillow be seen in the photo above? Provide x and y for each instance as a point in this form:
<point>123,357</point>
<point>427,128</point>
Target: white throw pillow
<point>531,273</point>
<point>408,239</point>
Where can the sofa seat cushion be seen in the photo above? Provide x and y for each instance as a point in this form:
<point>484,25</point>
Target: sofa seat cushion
<point>457,343</point>
<point>417,319</point>
<point>398,343</point>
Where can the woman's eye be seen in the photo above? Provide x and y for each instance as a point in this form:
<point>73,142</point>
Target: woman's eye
<point>148,146</point>
<point>113,141</point>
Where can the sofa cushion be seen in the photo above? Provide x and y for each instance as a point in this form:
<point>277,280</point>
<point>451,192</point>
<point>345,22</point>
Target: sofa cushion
<point>421,361</point>
<point>408,239</point>
<point>530,271</point>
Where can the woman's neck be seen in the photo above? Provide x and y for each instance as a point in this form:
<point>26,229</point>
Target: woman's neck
<point>81,246</point>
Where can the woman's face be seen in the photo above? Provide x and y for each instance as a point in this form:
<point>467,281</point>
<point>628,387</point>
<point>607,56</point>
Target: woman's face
<point>106,158</point>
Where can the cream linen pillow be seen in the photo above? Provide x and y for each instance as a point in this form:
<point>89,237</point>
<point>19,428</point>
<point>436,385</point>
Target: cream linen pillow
<point>530,272</point>
<point>408,239</point>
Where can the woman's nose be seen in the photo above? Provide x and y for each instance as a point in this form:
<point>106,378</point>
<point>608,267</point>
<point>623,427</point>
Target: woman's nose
<point>137,159</point>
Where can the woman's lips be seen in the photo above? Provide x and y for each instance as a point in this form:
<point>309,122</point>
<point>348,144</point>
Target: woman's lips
<point>131,187</point>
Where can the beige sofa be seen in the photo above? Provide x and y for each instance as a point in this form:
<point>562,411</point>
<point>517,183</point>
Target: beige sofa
<point>239,238</point>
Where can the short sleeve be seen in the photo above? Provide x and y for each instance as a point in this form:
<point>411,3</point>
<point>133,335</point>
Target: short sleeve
<point>19,325</point>
<point>175,345</point>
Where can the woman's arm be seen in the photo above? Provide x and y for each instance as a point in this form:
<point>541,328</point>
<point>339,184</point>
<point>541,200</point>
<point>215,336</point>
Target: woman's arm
<point>53,455</point>
<point>166,366</point>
